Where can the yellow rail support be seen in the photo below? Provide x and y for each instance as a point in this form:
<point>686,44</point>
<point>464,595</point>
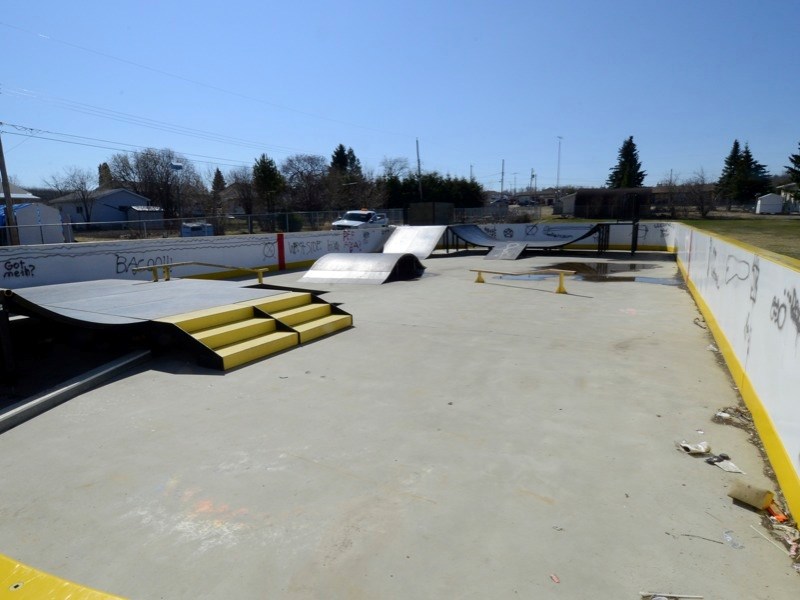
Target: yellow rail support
<point>167,269</point>
<point>561,289</point>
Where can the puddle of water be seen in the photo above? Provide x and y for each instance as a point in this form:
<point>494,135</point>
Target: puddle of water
<point>601,272</point>
<point>676,280</point>
<point>601,268</point>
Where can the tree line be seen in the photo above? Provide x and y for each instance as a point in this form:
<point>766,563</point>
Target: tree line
<point>308,182</point>
<point>302,182</point>
<point>742,180</point>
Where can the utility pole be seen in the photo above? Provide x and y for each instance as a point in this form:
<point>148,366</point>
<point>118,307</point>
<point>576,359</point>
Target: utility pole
<point>558,170</point>
<point>502,177</point>
<point>12,233</point>
<point>419,181</point>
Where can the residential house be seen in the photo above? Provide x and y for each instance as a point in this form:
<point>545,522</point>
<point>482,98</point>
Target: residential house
<point>107,206</point>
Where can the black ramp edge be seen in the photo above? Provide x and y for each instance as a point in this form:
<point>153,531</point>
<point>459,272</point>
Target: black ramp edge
<point>474,235</point>
<point>407,267</point>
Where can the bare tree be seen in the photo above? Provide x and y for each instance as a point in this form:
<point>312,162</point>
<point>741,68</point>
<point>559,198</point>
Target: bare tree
<point>671,184</point>
<point>699,193</point>
<point>305,181</point>
<point>395,167</point>
<point>79,183</point>
<point>240,182</point>
<point>163,176</point>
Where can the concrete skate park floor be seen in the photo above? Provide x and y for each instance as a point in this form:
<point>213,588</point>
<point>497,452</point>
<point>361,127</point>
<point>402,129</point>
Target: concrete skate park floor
<point>463,440</point>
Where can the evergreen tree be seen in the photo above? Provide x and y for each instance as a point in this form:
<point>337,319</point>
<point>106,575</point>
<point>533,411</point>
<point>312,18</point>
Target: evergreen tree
<point>339,160</point>
<point>345,163</point>
<point>743,178</point>
<point>353,164</point>
<point>628,171</point>
<point>728,183</point>
<point>793,171</point>
<point>267,181</point>
<point>217,187</point>
<point>755,178</point>
<point>218,184</point>
<point>104,178</point>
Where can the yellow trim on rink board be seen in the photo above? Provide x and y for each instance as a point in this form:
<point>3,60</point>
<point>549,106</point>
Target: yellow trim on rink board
<point>21,582</point>
<point>779,458</point>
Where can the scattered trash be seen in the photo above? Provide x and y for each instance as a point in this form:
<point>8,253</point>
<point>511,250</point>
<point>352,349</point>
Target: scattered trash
<point>769,540</point>
<point>700,537</point>
<point>712,347</point>
<point>732,541</point>
<point>700,431</point>
<point>796,567</point>
<point>663,596</point>
<point>733,416</point>
<point>558,528</point>
<point>555,578</point>
<point>775,512</point>
<point>698,448</point>
<point>756,497</point>
<point>725,464</point>
<point>723,461</point>
<point>699,322</point>
<point>789,536</point>
<point>717,458</point>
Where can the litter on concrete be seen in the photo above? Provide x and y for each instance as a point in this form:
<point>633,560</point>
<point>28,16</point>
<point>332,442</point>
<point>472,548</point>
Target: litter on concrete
<point>769,540</point>
<point>660,595</point>
<point>731,540</point>
<point>723,462</point>
<point>698,448</point>
<point>758,498</point>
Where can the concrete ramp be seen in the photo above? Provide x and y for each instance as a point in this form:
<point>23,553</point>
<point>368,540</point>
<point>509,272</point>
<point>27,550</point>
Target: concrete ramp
<point>419,241</point>
<point>364,268</point>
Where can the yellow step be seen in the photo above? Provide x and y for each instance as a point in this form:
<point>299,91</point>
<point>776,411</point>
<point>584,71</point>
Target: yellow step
<point>210,317</point>
<point>231,333</point>
<point>317,328</point>
<point>247,351</point>
<point>301,314</point>
<point>281,302</point>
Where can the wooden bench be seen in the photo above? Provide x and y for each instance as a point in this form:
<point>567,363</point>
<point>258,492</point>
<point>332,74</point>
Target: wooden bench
<point>560,272</point>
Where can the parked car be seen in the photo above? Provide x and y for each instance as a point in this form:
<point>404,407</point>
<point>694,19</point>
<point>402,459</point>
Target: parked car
<point>361,219</point>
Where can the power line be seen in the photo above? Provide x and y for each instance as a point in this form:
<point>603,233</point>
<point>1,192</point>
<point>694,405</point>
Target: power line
<point>34,134</point>
<point>192,81</point>
<point>113,115</point>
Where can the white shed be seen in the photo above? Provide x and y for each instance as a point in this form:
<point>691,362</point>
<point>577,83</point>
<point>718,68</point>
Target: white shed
<point>771,204</point>
<point>37,223</point>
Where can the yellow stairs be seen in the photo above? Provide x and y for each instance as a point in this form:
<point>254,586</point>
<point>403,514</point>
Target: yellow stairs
<point>235,334</point>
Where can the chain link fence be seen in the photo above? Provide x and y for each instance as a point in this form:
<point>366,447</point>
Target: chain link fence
<point>146,227</point>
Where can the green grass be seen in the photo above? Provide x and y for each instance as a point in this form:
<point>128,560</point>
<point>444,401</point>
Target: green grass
<point>776,234</point>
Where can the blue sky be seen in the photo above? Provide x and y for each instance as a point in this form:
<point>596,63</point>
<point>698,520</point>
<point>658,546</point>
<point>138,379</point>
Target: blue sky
<point>478,83</point>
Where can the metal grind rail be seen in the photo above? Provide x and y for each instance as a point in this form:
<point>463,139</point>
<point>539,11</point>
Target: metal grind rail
<point>167,269</point>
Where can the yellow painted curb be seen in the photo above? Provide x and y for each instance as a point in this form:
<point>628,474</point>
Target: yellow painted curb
<point>21,582</point>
